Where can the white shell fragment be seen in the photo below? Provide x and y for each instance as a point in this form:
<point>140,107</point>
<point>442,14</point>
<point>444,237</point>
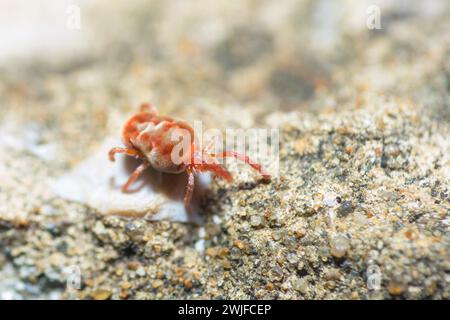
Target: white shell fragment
<point>97,182</point>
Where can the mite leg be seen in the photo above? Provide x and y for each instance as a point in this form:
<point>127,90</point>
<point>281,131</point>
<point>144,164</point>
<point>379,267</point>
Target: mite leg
<point>245,159</point>
<point>127,151</point>
<point>211,143</point>
<point>189,188</point>
<point>217,169</point>
<point>139,170</point>
<point>148,108</point>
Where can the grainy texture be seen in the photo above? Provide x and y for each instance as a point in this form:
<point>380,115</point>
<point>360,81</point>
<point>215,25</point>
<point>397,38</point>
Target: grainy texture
<point>364,155</point>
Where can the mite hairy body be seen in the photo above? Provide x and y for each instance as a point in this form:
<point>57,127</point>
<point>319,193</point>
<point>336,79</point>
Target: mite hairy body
<point>153,138</point>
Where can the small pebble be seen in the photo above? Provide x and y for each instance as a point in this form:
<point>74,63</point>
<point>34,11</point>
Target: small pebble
<point>53,229</point>
<point>292,258</point>
<point>396,287</point>
<point>339,246</point>
<point>216,219</point>
<point>430,286</point>
<point>276,273</point>
<point>125,285</point>
<point>345,208</point>
<point>239,244</point>
<point>124,294</point>
<point>187,283</point>
<point>200,246</point>
<point>141,272</point>
<point>330,200</point>
<point>256,221</point>
<point>226,264</point>
<point>133,265</point>
<point>157,283</point>
<point>101,294</point>
<point>301,285</point>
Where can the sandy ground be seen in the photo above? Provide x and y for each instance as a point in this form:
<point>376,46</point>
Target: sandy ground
<point>360,209</point>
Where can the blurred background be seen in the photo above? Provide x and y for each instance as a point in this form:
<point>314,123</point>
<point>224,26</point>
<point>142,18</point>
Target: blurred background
<point>278,54</point>
<point>363,110</point>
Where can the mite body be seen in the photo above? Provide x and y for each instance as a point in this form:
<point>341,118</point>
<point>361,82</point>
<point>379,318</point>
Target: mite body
<point>153,138</point>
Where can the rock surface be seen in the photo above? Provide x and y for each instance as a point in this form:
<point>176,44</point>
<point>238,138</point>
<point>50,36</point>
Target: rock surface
<point>360,209</point>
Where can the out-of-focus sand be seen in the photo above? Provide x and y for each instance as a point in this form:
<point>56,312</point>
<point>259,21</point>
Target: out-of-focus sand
<point>363,115</point>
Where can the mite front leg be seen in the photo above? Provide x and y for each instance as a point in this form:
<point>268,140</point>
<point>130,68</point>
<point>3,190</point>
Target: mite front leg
<point>139,170</point>
<point>127,151</point>
<point>217,169</point>
<point>189,188</point>
<point>245,159</point>
<point>148,108</point>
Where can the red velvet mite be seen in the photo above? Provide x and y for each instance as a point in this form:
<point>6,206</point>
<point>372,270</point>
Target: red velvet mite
<point>149,136</point>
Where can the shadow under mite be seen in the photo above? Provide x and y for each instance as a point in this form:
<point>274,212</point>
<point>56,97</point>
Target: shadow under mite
<point>172,186</point>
